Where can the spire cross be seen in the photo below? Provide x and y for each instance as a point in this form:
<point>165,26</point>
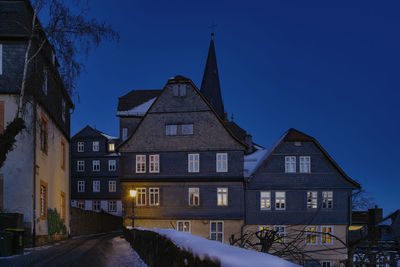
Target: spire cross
<point>212,27</point>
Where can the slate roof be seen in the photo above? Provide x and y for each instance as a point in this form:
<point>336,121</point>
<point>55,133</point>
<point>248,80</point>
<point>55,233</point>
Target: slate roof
<point>295,135</point>
<point>210,87</point>
<point>89,131</point>
<point>135,98</point>
<point>236,130</point>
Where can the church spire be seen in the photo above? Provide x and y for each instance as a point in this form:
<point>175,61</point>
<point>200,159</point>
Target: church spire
<point>210,87</point>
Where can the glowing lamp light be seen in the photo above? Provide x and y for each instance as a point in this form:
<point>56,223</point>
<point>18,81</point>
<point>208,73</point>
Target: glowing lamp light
<point>132,193</point>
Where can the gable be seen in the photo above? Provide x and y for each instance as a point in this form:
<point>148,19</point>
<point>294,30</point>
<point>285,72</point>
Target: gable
<point>192,108</point>
<point>88,132</point>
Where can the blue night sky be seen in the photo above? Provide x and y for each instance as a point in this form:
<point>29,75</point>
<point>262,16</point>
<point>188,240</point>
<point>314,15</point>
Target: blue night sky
<point>328,69</point>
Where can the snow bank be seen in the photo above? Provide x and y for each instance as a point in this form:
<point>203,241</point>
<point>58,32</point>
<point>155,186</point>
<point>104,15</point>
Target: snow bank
<point>228,256</point>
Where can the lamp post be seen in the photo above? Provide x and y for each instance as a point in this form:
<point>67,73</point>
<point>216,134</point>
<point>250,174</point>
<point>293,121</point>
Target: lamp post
<point>132,194</point>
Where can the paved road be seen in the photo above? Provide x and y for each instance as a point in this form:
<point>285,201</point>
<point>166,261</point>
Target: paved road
<point>99,250</point>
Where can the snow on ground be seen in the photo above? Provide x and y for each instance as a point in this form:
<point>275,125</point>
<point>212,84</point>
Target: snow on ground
<point>138,110</point>
<point>13,256</point>
<point>123,254</point>
<point>228,256</point>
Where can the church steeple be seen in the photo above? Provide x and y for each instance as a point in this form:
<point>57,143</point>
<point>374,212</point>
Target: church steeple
<point>210,87</point>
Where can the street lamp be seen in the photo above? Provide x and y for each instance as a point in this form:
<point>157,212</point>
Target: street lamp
<point>132,193</point>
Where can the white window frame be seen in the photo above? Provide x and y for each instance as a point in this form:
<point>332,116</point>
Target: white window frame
<point>280,202</point>
<point>140,163</point>
<point>310,234</point>
<point>1,59</point>
<point>187,129</point>
<point>194,162</point>
<point>305,164</point>
<point>154,163</point>
<point>96,207</point>
<point>290,164</point>
<point>124,134</point>
<point>171,129</point>
<point>81,186</point>
<point>280,234</point>
<point>112,186</point>
<point>96,146</point>
<point>312,199</point>
<point>112,206</point>
<point>216,232</point>
<point>195,192</point>
<point>112,165</point>
<point>222,162</point>
<point>80,165</point>
<point>326,263</point>
<point>222,196</point>
<point>327,199</point>
<point>154,196</point>
<point>141,196</point>
<point>182,90</point>
<point>63,110</point>
<point>81,147</point>
<point>182,223</point>
<point>81,204</point>
<point>96,186</point>
<point>265,200</point>
<point>327,234</point>
<point>96,165</point>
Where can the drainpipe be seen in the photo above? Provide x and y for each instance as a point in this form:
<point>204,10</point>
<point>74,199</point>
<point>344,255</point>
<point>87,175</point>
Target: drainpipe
<point>34,175</point>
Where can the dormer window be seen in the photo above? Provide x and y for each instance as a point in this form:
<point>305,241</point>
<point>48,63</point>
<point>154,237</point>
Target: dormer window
<point>179,90</point>
<point>111,147</point>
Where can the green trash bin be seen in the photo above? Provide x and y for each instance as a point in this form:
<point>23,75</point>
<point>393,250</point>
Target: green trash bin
<point>18,240</point>
<point>6,243</point>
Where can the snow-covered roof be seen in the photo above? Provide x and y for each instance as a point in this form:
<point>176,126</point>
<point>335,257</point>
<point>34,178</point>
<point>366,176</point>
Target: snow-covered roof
<point>228,256</point>
<point>138,110</point>
<point>109,137</point>
<point>387,222</point>
<point>253,160</point>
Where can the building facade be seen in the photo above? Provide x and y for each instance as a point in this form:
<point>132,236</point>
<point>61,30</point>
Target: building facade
<point>94,172</point>
<point>35,175</point>
<point>196,171</point>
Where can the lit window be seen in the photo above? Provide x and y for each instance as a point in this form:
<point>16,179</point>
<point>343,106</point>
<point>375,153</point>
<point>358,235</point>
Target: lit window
<point>222,196</point>
<point>217,230</point>
<point>63,110</point>
<point>80,165</point>
<point>327,199</point>
<point>290,164</point>
<point>280,200</point>
<point>264,229</point>
<point>154,196</point>
<point>96,165</point>
<point>193,162</point>
<point>312,200</point>
<point>81,204</point>
<point>112,206</point>
<point>112,186</point>
<point>124,134</point>
<point>305,164</point>
<point>279,232</point>
<point>96,186</point>
<point>183,226</point>
<point>326,235</point>
<point>81,186</point>
<point>187,129</point>
<point>171,129</point>
<point>96,205</point>
<point>222,162</point>
<point>111,147</point>
<point>140,163</point>
<point>311,235</point>
<point>194,196</point>
<point>81,147</point>
<point>154,163</point>
<point>112,165</point>
<point>265,200</point>
<point>141,197</point>
<point>45,82</point>
<point>96,146</point>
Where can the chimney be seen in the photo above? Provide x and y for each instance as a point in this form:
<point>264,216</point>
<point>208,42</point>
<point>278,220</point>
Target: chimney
<point>249,142</point>
<point>375,215</point>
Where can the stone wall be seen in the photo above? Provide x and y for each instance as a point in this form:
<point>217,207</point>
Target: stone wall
<point>84,222</point>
